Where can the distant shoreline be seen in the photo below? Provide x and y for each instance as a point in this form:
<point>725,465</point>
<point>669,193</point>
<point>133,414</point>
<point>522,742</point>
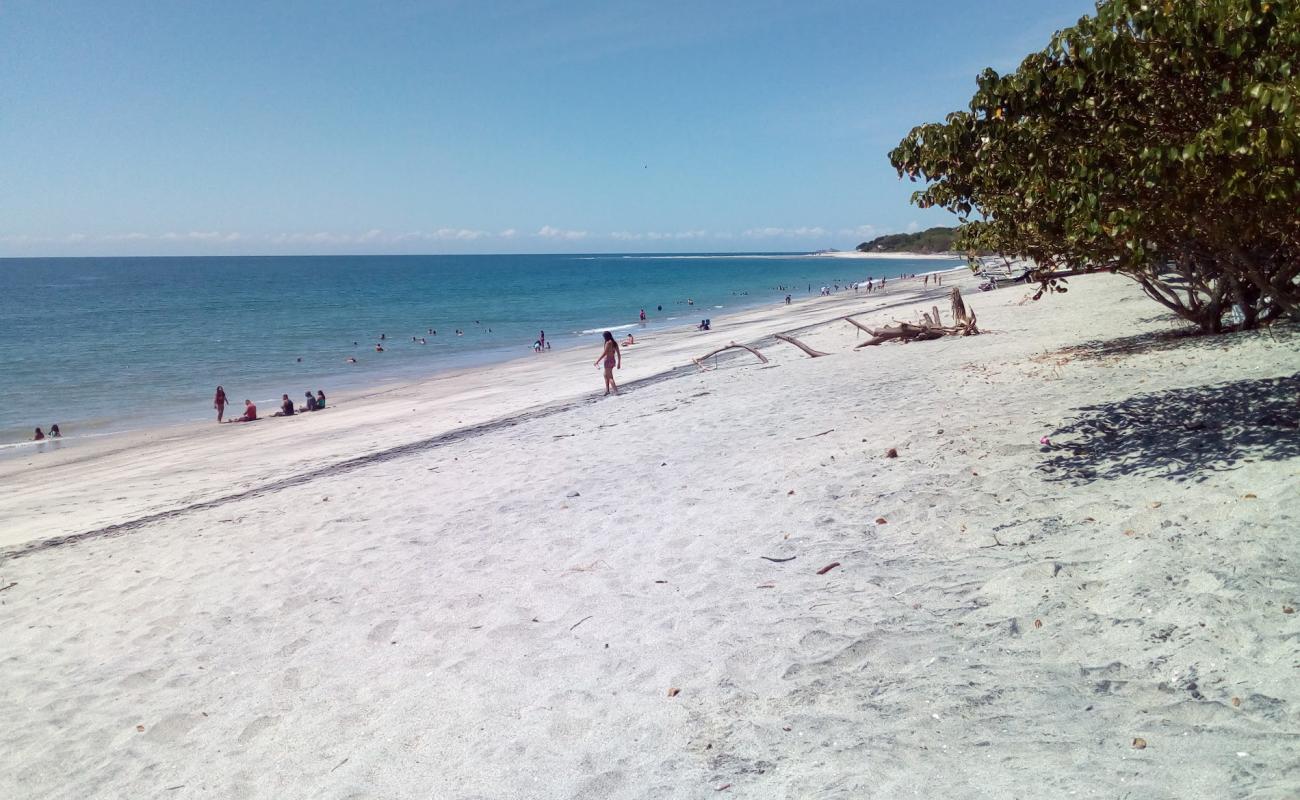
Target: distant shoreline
<point>899,255</point>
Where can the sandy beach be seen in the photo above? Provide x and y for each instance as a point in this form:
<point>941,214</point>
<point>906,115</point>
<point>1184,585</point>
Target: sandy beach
<point>1078,577</point>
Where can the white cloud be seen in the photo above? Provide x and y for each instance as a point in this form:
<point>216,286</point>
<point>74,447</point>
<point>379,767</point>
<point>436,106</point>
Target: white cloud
<point>863,231</point>
<point>547,232</point>
<point>656,236</point>
<point>508,233</point>
<point>913,226</point>
<point>783,233</point>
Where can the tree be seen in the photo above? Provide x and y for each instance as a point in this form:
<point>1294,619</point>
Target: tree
<point>1156,139</point>
<point>931,240</point>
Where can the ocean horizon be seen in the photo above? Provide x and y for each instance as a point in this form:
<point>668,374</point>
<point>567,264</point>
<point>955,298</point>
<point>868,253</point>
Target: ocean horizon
<point>99,345</point>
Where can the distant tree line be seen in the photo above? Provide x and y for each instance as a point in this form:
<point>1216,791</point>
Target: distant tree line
<point>1159,139</point>
<point>933,240</point>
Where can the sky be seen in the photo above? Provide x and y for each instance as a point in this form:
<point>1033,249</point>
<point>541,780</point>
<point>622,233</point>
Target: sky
<point>482,126</point>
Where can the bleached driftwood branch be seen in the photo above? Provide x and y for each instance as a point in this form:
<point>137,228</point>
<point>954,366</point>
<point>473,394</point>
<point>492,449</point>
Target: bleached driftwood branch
<point>785,337</point>
<point>699,362</point>
<point>932,326</point>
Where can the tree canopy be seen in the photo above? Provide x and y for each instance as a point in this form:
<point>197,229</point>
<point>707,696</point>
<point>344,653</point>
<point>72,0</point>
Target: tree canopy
<point>1157,139</point>
<point>931,240</point>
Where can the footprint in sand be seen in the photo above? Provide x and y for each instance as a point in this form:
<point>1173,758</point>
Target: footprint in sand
<point>256,728</point>
<point>383,631</point>
<point>139,680</point>
<point>292,647</point>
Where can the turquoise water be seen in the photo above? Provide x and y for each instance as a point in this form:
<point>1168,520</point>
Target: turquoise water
<point>102,344</point>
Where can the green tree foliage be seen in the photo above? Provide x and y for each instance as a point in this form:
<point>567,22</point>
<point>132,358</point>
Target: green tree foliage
<point>931,240</point>
<point>1158,138</point>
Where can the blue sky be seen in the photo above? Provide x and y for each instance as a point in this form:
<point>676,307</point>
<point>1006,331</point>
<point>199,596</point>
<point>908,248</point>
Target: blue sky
<point>490,127</point>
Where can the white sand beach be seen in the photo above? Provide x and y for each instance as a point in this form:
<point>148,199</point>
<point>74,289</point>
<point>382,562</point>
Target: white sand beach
<point>498,584</point>
<point>885,256</point>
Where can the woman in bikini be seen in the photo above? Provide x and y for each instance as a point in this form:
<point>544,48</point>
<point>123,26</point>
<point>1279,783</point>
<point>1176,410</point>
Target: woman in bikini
<point>219,403</point>
<point>612,357</point>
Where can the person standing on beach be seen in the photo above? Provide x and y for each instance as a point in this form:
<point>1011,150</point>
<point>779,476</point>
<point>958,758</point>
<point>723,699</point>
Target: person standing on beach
<point>612,357</point>
<point>541,339</point>
<point>219,403</point>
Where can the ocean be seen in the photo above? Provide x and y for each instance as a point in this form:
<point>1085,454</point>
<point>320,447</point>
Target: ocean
<point>106,344</point>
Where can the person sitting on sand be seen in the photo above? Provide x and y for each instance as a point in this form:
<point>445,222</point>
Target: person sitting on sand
<point>40,434</point>
<point>55,433</point>
<point>311,404</point>
<point>286,407</point>
<point>629,340</point>
<point>250,413</point>
<point>320,399</point>
<point>611,356</point>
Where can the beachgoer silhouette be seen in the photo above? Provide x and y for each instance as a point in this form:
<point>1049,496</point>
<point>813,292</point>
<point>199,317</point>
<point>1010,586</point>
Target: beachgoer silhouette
<point>611,357</point>
<point>219,402</point>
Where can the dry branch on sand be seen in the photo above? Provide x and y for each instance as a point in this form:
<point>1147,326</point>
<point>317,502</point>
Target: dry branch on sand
<point>931,327</point>
<point>785,337</point>
<point>699,362</point>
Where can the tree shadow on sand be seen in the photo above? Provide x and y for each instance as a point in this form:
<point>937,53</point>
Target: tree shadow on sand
<point>1181,434</point>
<point>1181,340</point>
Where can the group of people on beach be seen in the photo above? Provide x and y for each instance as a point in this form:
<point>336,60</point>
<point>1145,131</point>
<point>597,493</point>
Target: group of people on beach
<point>54,433</point>
<point>314,402</point>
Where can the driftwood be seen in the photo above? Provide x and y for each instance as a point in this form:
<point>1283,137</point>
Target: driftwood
<point>699,362</point>
<point>931,327</point>
<point>958,306</point>
<point>857,324</point>
<point>811,352</point>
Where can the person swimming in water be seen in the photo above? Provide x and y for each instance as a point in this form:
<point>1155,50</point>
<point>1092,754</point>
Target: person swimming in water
<point>611,357</point>
<point>55,433</point>
<point>40,435</point>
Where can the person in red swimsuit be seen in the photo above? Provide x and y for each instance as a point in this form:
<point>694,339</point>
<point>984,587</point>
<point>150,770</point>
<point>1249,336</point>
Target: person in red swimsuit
<point>219,403</point>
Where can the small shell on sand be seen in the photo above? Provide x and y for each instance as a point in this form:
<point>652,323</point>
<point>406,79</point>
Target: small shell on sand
<point>1139,743</point>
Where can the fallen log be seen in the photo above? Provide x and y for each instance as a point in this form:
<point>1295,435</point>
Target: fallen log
<point>790,339</point>
<point>699,362</point>
<point>907,332</point>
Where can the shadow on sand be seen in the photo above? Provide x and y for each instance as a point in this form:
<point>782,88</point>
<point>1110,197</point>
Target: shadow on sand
<point>1181,339</point>
<point>1181,434</point>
